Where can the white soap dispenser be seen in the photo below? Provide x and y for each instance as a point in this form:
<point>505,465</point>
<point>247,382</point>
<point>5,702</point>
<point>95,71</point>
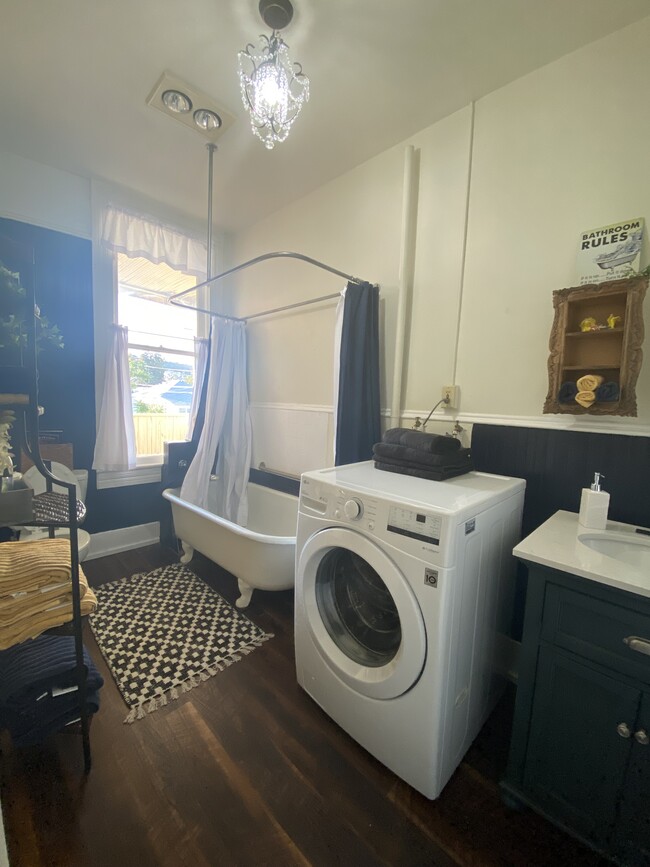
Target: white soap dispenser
<point>594,505</point>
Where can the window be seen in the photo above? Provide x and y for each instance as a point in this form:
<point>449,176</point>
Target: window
<point>161,352</point>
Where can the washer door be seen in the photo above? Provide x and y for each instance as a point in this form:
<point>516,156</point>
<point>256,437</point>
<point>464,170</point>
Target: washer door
<point>362,613</point>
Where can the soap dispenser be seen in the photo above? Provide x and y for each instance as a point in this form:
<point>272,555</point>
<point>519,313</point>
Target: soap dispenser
<point>594,504</point>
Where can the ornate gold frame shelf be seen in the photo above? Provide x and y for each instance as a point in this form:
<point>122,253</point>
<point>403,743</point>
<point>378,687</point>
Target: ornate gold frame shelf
<point>597,331</point>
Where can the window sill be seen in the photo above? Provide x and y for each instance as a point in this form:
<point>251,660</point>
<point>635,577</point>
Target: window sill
<point>148,474</point>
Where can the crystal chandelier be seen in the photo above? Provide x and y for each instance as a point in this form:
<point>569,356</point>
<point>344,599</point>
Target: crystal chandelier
<point>273,88</point>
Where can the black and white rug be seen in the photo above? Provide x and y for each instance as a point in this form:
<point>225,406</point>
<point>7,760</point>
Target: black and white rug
<point>165,632</point>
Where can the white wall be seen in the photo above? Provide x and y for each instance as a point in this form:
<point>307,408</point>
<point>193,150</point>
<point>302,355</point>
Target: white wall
<point>557,152</point>
<point>44,196</point>
<point>505,189</point>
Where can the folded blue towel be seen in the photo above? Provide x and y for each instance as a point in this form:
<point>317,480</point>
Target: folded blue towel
<point>35,666</point>
<point>608,391</point>
<point>567,393</point>
<point>61,711</point>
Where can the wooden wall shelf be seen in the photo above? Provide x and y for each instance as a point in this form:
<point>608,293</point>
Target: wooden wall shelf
<point>613,353</point>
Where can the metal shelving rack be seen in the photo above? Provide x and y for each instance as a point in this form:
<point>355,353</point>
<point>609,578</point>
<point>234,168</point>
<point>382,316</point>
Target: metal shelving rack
<point>19,393</point>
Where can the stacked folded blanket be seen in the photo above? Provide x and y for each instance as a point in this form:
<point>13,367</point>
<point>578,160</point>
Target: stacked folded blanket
<point>415,453</point>
<point>39,689</point>
<point>36,589</point>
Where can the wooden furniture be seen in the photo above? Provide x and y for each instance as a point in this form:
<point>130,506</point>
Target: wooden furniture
<point>580,750</point>
<point>611,352</point>
<point>52,509</point>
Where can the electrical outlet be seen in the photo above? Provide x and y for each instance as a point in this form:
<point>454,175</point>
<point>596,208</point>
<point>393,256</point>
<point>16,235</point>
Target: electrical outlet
<point>450,395</point>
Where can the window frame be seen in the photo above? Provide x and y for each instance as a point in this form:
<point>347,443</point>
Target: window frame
<point>148,467</point>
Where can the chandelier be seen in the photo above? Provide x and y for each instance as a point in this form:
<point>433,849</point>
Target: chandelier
<point>273,88</point>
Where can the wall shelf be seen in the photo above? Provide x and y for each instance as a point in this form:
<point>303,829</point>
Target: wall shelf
<point>613,353</point>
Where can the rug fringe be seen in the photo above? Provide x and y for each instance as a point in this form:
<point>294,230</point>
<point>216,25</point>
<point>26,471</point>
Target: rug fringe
<point>159,700</point>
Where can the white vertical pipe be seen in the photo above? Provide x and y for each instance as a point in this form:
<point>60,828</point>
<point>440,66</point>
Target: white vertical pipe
<point>405,282</point>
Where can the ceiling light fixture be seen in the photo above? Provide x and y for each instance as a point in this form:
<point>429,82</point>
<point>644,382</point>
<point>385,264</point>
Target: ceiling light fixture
<point>206,119</point>
<point>274,89</point>
<point>177,102</point>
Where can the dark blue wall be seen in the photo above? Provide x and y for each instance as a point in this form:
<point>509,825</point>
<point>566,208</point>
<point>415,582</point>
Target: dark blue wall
<point>63,289</point>
<point>64,292</point>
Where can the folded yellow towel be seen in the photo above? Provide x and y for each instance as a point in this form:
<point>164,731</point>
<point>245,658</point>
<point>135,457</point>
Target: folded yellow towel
<point>589,382</point>
<point>56,616</point>
<point>31,565</point>
<point>585,398</point>
<point>34,604</point>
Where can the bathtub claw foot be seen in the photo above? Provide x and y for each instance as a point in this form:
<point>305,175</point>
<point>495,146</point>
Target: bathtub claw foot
<point>188,552</point>
<point>246,592</point>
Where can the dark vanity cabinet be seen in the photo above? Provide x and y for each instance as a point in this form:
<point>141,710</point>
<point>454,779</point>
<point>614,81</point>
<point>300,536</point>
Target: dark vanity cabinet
<point>580,751</point>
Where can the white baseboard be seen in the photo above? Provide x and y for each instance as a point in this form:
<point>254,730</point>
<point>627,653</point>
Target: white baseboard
<point>125,539</point>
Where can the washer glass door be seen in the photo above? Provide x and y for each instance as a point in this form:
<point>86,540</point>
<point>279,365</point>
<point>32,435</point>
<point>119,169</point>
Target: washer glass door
<point>357,608</point>
<point>361,612</point>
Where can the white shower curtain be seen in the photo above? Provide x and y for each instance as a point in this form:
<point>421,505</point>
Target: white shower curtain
<point>227,426</point>
<point>201,345</point>
<point>115,445</point>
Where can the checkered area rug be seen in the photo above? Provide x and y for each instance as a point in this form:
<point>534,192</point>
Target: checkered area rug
<point>165,632</point>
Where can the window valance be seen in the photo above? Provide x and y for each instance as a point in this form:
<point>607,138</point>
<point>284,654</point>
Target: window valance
<point>124,232</point>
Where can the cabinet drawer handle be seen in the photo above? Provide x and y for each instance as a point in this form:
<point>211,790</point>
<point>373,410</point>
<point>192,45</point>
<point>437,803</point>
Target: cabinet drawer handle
<point>641,737</point>
<point>623,730</point>
<point>641,645</point>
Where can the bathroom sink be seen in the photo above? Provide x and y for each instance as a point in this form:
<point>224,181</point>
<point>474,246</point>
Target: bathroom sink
<point>632,550</point>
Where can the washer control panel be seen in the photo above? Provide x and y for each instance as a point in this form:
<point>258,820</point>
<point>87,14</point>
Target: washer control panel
<point>414,524</point>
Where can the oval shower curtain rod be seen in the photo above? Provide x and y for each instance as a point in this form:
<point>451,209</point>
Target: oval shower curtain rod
<point>175,299</point>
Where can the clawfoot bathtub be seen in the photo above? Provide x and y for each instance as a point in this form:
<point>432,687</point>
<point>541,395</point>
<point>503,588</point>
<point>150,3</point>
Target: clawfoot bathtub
<point>260,555</point>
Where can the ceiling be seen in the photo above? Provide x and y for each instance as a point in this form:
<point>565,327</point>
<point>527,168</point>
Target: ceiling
<point>76,74</point>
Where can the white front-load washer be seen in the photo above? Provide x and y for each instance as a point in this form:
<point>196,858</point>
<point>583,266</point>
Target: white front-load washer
<point>402,587</point>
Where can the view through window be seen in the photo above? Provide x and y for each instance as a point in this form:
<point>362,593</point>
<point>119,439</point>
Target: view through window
<point>161,351</point>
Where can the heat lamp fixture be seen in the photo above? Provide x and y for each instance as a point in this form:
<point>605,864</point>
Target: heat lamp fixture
<point>274,89</point>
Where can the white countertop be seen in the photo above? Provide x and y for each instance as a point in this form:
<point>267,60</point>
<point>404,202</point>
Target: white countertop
<point>556,544</point>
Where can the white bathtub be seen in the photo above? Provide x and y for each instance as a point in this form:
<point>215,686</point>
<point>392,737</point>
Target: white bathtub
<point>261,555</point>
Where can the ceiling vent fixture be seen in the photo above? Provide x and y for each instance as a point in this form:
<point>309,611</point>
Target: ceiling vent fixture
<point>188,105</point>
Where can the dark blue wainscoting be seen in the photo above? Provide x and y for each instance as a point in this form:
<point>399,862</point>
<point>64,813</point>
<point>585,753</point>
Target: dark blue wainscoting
<point>557,464</point>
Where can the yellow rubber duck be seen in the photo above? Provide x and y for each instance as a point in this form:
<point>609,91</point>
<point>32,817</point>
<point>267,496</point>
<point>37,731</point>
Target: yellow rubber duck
<point>613,321</point>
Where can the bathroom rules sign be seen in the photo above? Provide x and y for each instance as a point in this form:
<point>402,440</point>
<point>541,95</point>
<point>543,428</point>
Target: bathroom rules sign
<point>610,252</point>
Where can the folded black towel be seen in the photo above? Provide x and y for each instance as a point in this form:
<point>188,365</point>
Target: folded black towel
<point>395,452</point>
<point>567,393</point>
<point>436,475</point>
<point>608,391</point>
<point>415,439</point>
<point>463,463</point>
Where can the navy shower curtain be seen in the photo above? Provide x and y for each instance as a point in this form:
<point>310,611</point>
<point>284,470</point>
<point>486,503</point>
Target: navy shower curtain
<point>358,413</point>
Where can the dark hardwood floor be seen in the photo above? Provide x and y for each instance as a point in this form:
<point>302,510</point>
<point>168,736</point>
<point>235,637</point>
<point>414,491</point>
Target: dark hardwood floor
<point>247,770</point>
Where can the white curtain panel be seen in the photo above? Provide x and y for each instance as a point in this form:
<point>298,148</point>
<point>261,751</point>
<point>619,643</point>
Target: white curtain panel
<point>227,426</point>
<point>201,345</point>
<point>115,446</point>
<point>135,235</point>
